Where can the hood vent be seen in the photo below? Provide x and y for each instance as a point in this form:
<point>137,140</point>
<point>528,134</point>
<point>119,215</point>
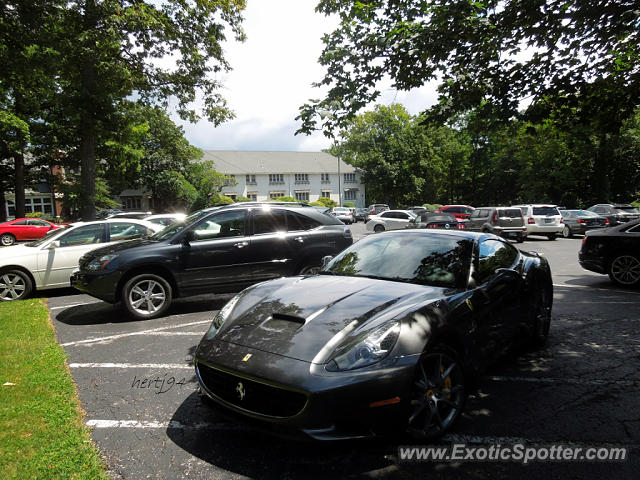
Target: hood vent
<point>289,318</point>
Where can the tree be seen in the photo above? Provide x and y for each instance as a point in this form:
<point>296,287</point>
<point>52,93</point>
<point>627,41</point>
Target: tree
<point>208,184</point>
<point>114,49</point>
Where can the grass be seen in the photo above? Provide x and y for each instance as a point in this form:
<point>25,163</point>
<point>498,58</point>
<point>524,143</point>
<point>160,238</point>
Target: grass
<point>42,434</point>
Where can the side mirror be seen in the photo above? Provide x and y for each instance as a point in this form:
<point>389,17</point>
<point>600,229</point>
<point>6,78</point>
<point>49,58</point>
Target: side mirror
<point>502,277</point>
<point>326,259</point>
<point>53,245</point>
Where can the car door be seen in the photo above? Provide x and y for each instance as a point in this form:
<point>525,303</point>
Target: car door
<point>497,296</point>
<point>57,259</point>
<point>214,253</point>
<point>388,219</point>
<point>274,249</point>
<point>36,229</point>
<point>477,219</point>
<point>19,229</point>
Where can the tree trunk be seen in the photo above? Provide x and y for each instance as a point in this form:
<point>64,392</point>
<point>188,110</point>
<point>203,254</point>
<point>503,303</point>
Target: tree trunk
<point>3,207</point>
<point>19,184</point>
<point>601,185</point>
<point>88,169</point>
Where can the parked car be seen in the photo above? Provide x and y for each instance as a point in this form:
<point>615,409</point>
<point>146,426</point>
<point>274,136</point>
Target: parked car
<point>580,221</point>
<point>390,220</point>
<point>437,220</point>
<point>136,215</point>
<point>362,214</point>
<point>49,262</point>
<point>165,219</point>
<point>217,251</point>
<point>343,214</point>
<point>418,209</point>
<point>25,229</point>
<point>542,220</point>
<point>377,208</point>
<point>506,222</point>
<point>614,251</point>
<point>461,212</point>
<point>617,213</point>
<point>389,337</point>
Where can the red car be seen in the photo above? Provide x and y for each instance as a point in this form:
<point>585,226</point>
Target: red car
<point>24,229</point>
<point>461,212</point>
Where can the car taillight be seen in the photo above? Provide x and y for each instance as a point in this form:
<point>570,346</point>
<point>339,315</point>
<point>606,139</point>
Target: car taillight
<point>581,221</point>
<point>606,221</point>
<point>584,242</point>
<point>561,221</point>
<point>531,221</point>
<point>432,225</point>
<point>494,219</point>
<point>461,226</point>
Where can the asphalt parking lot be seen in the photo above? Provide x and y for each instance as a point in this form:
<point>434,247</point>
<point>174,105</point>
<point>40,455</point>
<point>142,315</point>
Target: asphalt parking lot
<point>137,386</point>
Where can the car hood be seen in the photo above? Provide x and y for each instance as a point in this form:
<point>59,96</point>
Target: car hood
<point>119,247</point>
<point>14,251</point>
<point>297,316</point>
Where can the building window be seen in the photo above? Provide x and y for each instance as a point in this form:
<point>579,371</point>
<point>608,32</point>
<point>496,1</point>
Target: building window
<point>302,178</point>
<point>232,196</point>
<point>230,181</point>
<point>11,208</point>
<point>132,203</point>
<point>303,196</point>
<point>325,193</point>
<point>273,195</point>
<point>253,196</point>
<point>350,194</point>
<point>324,178</point>
<point>42,205</point>
<point>350,178</point>
<point>276,178</point>
<point>251,179</point>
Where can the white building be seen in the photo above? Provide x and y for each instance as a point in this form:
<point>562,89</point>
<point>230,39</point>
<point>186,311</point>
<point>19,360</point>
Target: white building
<point>305,176</point>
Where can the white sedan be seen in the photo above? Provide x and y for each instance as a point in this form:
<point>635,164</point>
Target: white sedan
<point>390,220</point>
<point>49,262</point>
<point>166,219</point>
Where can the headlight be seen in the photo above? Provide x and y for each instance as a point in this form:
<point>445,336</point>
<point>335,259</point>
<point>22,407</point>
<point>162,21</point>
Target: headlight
<point>365,349</point>
<point>100,263</point>
<point>221,317</point>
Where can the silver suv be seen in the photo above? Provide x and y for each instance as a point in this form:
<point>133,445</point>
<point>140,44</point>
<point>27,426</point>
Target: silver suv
<point>507,222</point>
<point>541,219</point>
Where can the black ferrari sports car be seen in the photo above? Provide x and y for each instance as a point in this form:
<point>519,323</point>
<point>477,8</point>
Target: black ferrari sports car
<point>388,337</point>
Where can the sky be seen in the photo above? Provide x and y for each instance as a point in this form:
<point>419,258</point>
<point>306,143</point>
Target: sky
<point>271,78</point>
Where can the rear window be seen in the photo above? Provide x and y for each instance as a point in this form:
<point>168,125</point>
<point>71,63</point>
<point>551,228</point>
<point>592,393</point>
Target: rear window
<point>545,211</point>
<point>510,212</point>
<point>628,209</point>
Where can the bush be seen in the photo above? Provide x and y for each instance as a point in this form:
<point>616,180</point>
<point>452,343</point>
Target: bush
<point>349,204</point>
<point>241,199</point>
<point>432,206</point>
<point>326,202</point>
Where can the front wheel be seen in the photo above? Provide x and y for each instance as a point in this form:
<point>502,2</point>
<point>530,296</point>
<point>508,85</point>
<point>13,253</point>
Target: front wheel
<point>551,236</point>
<point>566,232</point>
<point>520,239</point>
<point>7,239</point>
<point>146,296</point>
<point>438,394</point>
<point>624,269</point>
<point>540,316</point>
<point>14,285</point>
<point>378,228</point>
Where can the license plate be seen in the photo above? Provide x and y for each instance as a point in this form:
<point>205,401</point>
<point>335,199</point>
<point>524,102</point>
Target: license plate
<point>548,220</point>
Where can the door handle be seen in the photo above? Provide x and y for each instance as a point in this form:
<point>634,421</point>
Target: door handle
<point>299,239</point>
<point>241,244</point>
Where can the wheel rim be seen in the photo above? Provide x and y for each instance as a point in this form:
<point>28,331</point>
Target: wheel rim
<point>310,270</point>
<point>378,228</point>
<point>12,286</point>
<point>6,240</point>
<point>566,232</point>
<point>147,297</point>
<point>438,395</point>
<point>625,269</point>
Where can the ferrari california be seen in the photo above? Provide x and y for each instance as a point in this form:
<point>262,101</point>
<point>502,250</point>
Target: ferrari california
<point>388,337</point>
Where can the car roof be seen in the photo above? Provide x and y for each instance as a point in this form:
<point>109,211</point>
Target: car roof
<point>457,233</point>
<point>115,220</point>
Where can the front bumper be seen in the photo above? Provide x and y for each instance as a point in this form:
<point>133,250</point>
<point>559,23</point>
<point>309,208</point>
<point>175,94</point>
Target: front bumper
<point>100,284</point>
<point>298,396</point>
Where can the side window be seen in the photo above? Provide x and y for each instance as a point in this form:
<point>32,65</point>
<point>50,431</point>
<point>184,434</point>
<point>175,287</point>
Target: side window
<point>494,254</point>
<point>387,215</point>
<point>21,222</point>
<point>524,211</point>
<point>475,214</point>
<point>126,231</point>
<point>599,210</point>
<point>84,235</point>
<point>221,225</point>
<point>38,223</point>
<point>453,210</point>
<point>297,221</point>
<point>269,221</point>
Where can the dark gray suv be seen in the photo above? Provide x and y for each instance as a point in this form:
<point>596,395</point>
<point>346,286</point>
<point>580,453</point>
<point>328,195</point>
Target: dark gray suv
<point>223,249</point>
<point>504,221</point>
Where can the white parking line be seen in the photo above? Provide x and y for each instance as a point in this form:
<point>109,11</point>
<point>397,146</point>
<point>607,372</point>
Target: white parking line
<point>572,381</point>
<point>72,305</point>
<point>587,287</point>
<point>146,424</point>
<point>143,332</point>
<point>157,366</point>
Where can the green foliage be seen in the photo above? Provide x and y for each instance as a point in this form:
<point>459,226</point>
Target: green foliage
<point>208,183</point>
<point>241,199</point>
<point>222,199</point>
<point>349,204</point>
<point>432,206</point>
<point>325,202</point>
<point>72,199</point>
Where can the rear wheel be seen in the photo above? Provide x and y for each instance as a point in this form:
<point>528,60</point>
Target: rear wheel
<point>7,239</point>
<point>438,393</point>
<point>551,236</point>
<point>14,285</point>
<point>146,296</point>
<point>540,316</point>
<point>566,232</point>
<point>520,238</point>
<point>624,269</point>
<point>378,228</point>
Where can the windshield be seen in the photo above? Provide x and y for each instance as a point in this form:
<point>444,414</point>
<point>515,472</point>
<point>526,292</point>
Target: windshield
<point>50,234</point>
<point>179,226</point>
<point>584,213</point>
<point>629,209</point>
<point>425,259</point>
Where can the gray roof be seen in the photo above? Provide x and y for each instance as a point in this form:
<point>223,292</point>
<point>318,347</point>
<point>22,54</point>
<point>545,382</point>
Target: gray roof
<point>243,162</point>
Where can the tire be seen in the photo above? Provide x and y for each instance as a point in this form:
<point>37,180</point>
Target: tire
<point>439,375</point>
<point>624,270</point>
<point>310,270</point>
<point>14,285</point>
<point>540,316</point>
<point>551,236</point>
<point>137,296</point>
<point>520,239</point>
<point>566,232</point>
<point>7,239</point>
<point>378,228</point>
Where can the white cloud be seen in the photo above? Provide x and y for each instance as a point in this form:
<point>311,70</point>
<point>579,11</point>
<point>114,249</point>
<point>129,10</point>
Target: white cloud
<point>272,76</point>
